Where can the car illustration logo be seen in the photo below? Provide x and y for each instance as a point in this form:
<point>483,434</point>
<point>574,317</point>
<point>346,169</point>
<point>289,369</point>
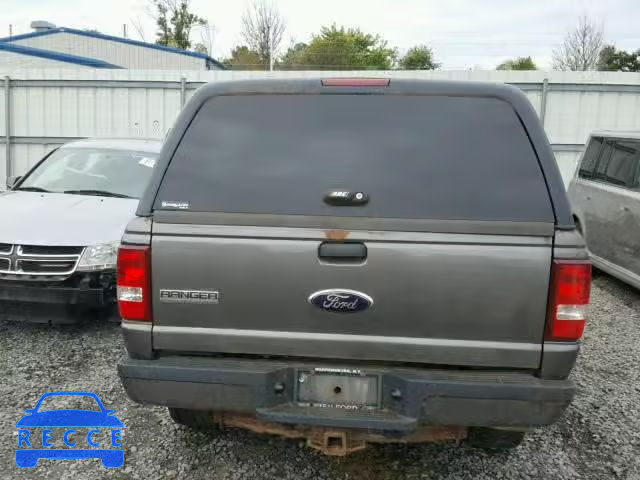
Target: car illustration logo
<point>341,300</point>
<point>84,429</point>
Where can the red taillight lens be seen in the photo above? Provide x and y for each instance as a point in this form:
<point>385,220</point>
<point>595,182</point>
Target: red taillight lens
<point>569,299</point>
<point>356,82</point>
<point>134,282</point>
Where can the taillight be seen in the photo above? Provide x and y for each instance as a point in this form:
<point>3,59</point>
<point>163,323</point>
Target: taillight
<point>134,282</point>
<point>569,299</point>
<point>355,82</point>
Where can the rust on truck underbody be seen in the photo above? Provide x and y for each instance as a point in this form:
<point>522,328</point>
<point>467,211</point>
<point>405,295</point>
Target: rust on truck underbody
<point>337,441</point>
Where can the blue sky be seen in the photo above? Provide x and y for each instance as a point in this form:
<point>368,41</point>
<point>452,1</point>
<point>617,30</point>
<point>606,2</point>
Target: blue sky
<point>463,33</point>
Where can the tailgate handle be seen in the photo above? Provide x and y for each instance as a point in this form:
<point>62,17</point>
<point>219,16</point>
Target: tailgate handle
<point>343,251</point>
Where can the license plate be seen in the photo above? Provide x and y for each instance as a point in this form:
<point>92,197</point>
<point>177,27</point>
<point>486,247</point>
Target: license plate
<point>335,387</point>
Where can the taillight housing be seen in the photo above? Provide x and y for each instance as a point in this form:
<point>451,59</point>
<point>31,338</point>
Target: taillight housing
<point>568,300</point>
<point>133,274</point>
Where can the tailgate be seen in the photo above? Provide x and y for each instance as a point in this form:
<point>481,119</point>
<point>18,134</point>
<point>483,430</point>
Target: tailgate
<point>453,299</point>
<point>436,213</point>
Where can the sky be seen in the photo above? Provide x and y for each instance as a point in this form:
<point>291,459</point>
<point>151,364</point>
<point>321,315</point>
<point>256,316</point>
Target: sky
<point>463,34</point>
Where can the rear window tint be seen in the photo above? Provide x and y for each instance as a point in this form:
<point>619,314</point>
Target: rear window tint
<point>414,156</point>
<point>599,172</point>
<point>623,164</point>
<point>590,158</point>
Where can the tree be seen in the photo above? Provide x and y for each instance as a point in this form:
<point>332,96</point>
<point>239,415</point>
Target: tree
<point>520,63</point>
<point>175,22</point>
<point>292,58</point>
<point>262,29</point>
<point>243,58</point>
<point>340,48</point>
<point>137,25</point>
<point>581,47</point>
<point>419,57</point>
<point>614,60</point>
<point>205,45</point>
<point>606,58</point>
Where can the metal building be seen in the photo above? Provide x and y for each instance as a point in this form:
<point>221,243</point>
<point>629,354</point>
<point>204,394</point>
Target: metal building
<point>117,52</point>
<point>17,56</point>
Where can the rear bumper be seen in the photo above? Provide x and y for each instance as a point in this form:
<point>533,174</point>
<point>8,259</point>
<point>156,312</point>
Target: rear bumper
<point>56,302</point>
<point>427,397</point>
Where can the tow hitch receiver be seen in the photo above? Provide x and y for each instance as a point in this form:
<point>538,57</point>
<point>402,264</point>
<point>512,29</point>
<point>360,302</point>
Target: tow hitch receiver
<point>337,443</point>
<point>340,442</point>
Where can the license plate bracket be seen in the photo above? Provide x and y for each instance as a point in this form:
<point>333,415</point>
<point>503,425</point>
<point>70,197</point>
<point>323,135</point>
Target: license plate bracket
<point>337,388</point>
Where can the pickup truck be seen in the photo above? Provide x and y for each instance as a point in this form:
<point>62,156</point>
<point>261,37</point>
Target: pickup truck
<point>355,260</point>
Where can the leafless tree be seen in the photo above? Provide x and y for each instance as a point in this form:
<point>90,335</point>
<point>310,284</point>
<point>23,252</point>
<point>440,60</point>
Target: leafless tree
<point>262,29</point>
<point>581,47</point>
<point>207,35</point>
<point>137,25</point>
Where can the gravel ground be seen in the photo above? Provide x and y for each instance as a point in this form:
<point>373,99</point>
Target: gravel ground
<point>597,438</point>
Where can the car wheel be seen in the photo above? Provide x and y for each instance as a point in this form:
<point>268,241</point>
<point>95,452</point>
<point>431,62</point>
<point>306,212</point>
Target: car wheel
<point>195,419</point>
<point>495,440</point>
<point>107,314</point>
<point>576,220</point>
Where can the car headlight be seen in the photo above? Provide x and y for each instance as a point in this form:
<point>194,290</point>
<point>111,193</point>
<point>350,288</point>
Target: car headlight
<point>99,257</point>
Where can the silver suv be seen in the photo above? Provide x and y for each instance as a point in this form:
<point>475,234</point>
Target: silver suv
<point>353,261</point>
<point>605,198</point>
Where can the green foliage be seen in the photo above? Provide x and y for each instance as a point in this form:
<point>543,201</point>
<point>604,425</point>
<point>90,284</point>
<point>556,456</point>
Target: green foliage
<point>419,57</point>
<point>242,58</point>
<point>175,22</point>
<point>520,63</point>
<point>341,49</point>
<point>292,58</point>
<point>611,59</point>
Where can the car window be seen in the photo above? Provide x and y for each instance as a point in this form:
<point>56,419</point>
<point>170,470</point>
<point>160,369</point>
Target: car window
<point>600,169</point>
<point>120,172</point>
<point>414,156</point>
<point>590,157</point>
<point>62,402</point>
<point>623,164</point>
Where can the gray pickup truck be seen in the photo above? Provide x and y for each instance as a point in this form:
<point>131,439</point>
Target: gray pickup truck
<point>355,260</point>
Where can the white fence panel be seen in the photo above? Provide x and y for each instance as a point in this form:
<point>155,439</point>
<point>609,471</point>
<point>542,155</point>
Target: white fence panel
<point>49,107</point>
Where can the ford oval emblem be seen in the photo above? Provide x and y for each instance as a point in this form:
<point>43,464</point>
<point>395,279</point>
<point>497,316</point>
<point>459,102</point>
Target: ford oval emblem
<point>341,300</point>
